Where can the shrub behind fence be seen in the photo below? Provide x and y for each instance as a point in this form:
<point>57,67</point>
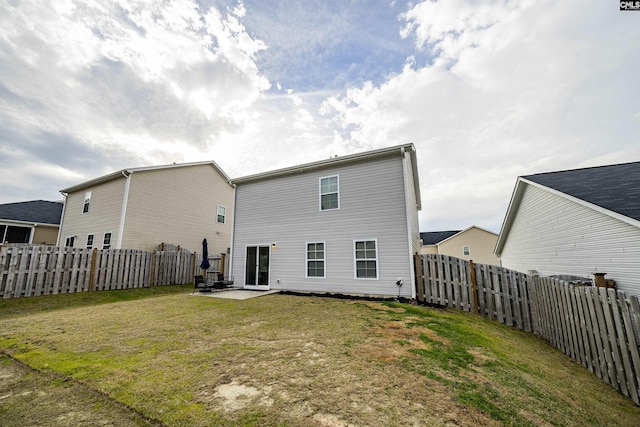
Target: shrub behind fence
<point>596,327</point>
<point>44,270</point>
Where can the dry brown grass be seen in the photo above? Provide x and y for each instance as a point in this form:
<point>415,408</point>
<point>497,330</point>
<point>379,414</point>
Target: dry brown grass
<point>293,361</point>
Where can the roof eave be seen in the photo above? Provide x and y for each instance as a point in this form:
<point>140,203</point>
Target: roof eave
<point>324,163</point>
<point>129,171</point>
<point>516,196</point>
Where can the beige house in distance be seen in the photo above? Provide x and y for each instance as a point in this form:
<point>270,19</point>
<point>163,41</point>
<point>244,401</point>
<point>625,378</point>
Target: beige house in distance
<point>140,208</point>
<point>473,243</point>
<point>34,222</point>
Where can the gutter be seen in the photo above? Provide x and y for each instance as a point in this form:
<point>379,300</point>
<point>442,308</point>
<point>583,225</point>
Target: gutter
<point>233,231</point>
<point>64,208</point>
<point>123,212</point>
<point>407,207</point>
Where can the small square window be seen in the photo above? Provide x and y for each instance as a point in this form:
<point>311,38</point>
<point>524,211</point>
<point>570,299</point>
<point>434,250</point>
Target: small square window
<point>466,250</point>
<point>70,241</point>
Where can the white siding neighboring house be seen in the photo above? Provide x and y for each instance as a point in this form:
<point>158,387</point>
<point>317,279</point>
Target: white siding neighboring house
<point>140,208</point>
<point>344,225</point>
<point>576,222</point>
<point>473,243</point>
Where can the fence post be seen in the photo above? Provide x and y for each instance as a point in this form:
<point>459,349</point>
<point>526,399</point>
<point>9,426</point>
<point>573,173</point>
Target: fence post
<point>417,265</point>
<point>474,286</point>
<point>92,273</point>
<point>153,268</point>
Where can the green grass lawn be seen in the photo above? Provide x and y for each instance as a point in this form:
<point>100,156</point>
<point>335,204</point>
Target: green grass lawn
<point>160,356</point>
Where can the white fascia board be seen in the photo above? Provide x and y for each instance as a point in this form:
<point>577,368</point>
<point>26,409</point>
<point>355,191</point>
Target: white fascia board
<point>11,222</point>
<point>180,165</point>
<point>516,197</point>
<point>324,163</point>
<point>584,203</point>
<point>464,231</point>
<point>126,172</point>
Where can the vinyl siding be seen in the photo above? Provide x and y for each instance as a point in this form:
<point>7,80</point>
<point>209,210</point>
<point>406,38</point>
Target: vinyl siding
<point>285,210</point>
<point>45,235</point>
<point>103,215</point>
<point>178,206</point>
<point>480,242</point>
<point>554,235</point>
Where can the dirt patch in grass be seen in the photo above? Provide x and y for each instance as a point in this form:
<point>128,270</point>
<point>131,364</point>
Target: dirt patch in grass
<point>32,398</point>
<point>286,360</point>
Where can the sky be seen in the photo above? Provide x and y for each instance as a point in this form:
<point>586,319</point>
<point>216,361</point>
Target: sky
<point>486,90</point>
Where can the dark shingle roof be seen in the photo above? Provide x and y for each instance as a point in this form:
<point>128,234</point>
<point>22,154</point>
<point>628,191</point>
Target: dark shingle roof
<point>613,187</point>
<point>434,237</point>
<point>36,211</point>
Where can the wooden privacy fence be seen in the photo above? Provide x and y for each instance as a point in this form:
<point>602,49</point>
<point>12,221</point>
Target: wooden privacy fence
<point>43,270</point>
<point>596,327</point>
<point>489,290</point>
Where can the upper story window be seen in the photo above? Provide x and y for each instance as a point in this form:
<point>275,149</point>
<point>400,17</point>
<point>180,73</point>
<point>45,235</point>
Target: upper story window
<point>315,259</point>
<point>106,242</point>
<point>89,241</point>
<point>466,250</point>
<point>87,202</point>
<point>366,259</point>
<point>221,214</point>
<point>329,193</point>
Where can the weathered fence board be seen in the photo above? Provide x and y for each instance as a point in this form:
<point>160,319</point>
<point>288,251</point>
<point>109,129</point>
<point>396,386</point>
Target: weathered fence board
<point>30,270</point>
<point>597,327</point>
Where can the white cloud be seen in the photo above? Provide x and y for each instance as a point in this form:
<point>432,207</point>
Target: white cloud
<point>485,90</point>
<point>513,89</point>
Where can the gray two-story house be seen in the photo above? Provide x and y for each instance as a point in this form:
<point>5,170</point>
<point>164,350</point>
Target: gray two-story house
<point>344,225</point>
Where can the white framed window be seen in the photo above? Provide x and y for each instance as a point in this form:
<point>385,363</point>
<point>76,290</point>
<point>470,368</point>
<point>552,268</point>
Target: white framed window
<point>87,202</point>
<point>466,250</point>
<point>106,241</point>
<point>89,241</point>
<point>365,253</point>
<point>315,259</point>
<point>70,241</point>
<point>221,214</point>
<point>329,193</point>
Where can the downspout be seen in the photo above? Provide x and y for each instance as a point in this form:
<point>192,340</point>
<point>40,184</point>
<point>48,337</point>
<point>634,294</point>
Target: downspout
<point>64,208</point>
<point>407,204</point>
<point>123,212</point>
<point>233,230</point>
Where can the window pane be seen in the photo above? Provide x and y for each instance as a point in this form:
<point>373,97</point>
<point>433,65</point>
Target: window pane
<point>329,201</point>
<point>315,260</point>
<point>366,259</point>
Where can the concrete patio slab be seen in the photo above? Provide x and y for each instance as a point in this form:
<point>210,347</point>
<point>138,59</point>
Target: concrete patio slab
<point>238,294</point>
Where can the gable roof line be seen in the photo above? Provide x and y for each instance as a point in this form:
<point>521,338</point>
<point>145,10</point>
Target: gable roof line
<point>126,172</point>
<point>517,197</point>
<point>400,149</point>
<point>463,231</point>
<point>585,203</point>
<point>322,163</point>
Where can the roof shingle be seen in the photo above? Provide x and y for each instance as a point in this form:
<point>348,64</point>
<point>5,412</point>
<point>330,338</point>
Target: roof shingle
<point>36,211</point>
<point>613,187</point>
